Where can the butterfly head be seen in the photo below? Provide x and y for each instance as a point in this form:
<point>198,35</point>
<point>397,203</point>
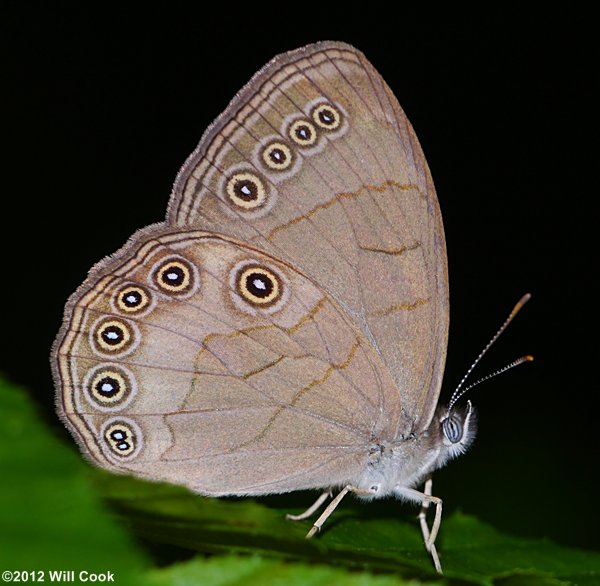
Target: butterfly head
<point>458,426</point>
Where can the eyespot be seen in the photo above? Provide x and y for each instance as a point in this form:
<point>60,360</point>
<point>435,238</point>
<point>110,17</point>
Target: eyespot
<point>256,286</point>
<point>112,336</point>
<point>132,299</point>
<point>109,387</point>
<point>246,190</point>
<point>327,117</point>
<point>121,437</point>
<point>175,276</point>
<point>303,133</point>
<point>277,156</point>
<point>453,430</point>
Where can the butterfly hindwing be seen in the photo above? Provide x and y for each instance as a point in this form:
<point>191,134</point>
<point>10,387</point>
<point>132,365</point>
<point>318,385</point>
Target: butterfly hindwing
<point>189,357</point>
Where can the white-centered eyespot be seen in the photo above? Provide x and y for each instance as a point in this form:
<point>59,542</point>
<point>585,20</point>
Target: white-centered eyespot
<point>303,133</point>
<point>132,299</point>
<point>109,387</point>
<point>122,438</point>
<point>277,156</point>
<point>327,116</point>
<point>114,336</point>
<point>175,276</point>
<point>256,286</point>
<point>246,190</point>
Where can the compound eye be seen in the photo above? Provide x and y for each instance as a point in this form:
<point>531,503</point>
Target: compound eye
<point>453,429</point>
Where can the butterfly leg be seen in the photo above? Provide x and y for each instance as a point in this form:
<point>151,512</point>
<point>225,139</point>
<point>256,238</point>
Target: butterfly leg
<point>312,509</point>
<point>332,506</point>
<point>426,498</point>
<point>429,545</point>
<point>422,516</point>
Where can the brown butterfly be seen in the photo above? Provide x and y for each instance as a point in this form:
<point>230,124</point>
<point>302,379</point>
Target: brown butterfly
<point>286,327</point>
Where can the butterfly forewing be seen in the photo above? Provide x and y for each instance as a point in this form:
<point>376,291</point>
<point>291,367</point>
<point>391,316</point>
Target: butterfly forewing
<point>315,163</point>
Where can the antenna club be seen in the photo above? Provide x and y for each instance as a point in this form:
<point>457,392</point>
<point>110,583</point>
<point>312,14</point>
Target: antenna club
<point>520,304</point>
<point>529,358</point>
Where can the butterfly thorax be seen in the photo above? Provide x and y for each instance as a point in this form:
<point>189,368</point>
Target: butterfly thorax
<point>407,462</point>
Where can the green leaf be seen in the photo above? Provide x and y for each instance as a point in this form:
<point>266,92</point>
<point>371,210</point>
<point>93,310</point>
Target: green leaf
<point>233,570</point>
<point>358,536</point>
<point>50,516</point>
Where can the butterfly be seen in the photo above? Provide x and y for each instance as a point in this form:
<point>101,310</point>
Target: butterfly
<point>286,327</point>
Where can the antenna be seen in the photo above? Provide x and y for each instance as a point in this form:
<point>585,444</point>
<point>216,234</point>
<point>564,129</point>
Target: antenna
<point>458,393</point>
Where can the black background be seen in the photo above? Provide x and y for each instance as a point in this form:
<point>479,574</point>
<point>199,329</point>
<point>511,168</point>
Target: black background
<point>102,107</point>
